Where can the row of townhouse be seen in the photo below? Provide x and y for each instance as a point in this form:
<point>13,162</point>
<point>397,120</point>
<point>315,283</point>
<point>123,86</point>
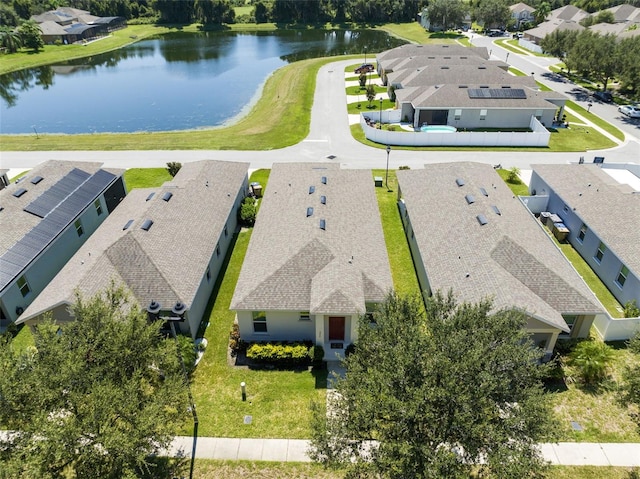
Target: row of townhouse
<point>317,258</point>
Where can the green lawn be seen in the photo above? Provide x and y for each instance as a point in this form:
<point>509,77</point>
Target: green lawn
<point>608,127</point>
<point>403,273</point>
<point>512,46</point>
<point>518,187</point>
<point>411,32</point>
<point>365,106</point>
<point>358,90</point>
<point>145,177</point>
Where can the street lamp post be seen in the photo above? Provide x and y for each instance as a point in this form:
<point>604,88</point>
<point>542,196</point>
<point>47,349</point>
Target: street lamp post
<point>381,113</point>
<point>365,54</point>
<point>178,310</point>
<point>506,60</point>
<point>386,177</point>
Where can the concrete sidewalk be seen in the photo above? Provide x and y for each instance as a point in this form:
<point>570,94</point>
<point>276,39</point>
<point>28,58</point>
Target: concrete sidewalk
<point>295,450</point>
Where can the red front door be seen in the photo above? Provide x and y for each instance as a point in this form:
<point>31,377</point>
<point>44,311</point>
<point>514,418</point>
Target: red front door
<point>336,328</point>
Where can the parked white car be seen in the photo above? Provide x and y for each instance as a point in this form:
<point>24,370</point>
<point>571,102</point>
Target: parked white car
<point>632,111</point>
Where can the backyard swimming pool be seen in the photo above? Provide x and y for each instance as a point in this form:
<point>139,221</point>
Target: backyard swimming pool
<point>438,128</point>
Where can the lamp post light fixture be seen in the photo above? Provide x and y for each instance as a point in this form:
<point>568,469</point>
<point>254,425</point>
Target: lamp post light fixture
<point>386,177</point>
<point>589,105</point>
<point>178,310</point>
<point>381,113</point>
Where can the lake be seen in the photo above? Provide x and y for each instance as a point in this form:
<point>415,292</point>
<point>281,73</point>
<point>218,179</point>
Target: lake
<point>177,81</point>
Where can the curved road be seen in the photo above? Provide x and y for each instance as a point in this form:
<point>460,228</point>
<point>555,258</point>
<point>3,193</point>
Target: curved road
<point>329,135</point>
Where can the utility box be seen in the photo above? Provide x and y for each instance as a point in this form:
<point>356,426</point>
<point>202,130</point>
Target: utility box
<point>256,189</point>
<point>377,181</point>
<point>560,231</point>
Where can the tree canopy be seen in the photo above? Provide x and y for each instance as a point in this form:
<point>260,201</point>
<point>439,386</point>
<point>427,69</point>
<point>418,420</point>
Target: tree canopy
<point>447,13</point>
<point>95,397</point>
<point>493,13</point>
<point>631,385</point>
<point>433,395</point>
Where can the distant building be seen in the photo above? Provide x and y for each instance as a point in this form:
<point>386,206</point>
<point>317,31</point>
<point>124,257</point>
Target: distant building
<point>522,14</point>
<point>46,217</point>
<point>165,245</point>
<point>71,25</point>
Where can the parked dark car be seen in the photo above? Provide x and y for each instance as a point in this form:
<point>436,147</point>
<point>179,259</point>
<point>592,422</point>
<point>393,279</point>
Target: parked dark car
<point>364,68</point>
<point>605,96</point>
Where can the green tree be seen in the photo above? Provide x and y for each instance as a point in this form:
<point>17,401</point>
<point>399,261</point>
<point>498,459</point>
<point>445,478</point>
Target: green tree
<point>362,79</point>
<point>447,13</point>
<point>592,360</point>
<point>31,35</point>
<point>96,397</point>
<point>631,309</point>
<point>437,392</point>
<point>628,59</point>
<point>261,12</point>
<point>173,167</point>
<point>514,175</point>
<point>558,43</point>
<point>371,94</point>
<point>214,12</point>
<point>10,39</point>
<point>175,11</point>
<point>630,390</point>
<point>541,13</point>
<point>8,16</point>
<point>493,13</point>
<point>248,211</point>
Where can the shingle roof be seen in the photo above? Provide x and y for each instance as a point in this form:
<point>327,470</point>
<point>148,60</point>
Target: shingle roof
<point>51,28</point>
<point>510,258</point>
<point>520,7</point>
<point>611,210</point>
<point>411,49</point>
<point>568,13</point>
<point>165,263</point>
<point>458,75</point>
<point>545,28</point>
<point>419,61</point>
<point>293,264</point>
<point>625,13</point>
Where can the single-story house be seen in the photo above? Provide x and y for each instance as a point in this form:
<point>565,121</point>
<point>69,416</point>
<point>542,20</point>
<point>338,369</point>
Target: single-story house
<point>46,217</point>
<point>625,13</point>
<point>410,50</point>
<point>563,18</point>
<point>468,233</point>
<point>603,219</point>
<point>165,245</point>
<point>69,25</point>
<point>522,13</point>
<point>317,258</point>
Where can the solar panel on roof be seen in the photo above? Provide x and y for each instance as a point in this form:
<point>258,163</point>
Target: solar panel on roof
<point>146,225</point>
<point>497,93</point>
<point>57,193</point>
<point>167,196</point>
<point>36,179</point>
<point>18,193</point>
<point>459,182</point>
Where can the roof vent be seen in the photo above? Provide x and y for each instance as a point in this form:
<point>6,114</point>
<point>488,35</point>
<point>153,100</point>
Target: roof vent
<point>444,68</point>
<point>146,225</point>
<point>482,68</point>
<point>482,219</point>
<point>323,200</point>
<point>37,179</point>
<point>324,180</point>
<point>459,182</point>
<point>484,86</point>
<point>150,196</point>
<point>323,224</point>
<point>312,189</point>
<point>309,211</point>
<point>505,86</point>
<point>496,210</point>
<point>19,192</point>
<point>470,199</point>
<point>167,196</point>
<point>463,86</point>
<point>484,192</point>
<point>126,226</point>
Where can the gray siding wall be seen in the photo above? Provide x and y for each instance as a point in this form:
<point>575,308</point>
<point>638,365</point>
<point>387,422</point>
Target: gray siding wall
<point>201,299</point>
<point>41,271</point>
<point>418,264</point>
<point>281,326</point>
<point>499,117</point>
<point>609,267</point>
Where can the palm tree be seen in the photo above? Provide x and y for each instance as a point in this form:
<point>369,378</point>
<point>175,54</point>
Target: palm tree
<point>592,360</point>
<point>10,39</point>
<point>542,11</point>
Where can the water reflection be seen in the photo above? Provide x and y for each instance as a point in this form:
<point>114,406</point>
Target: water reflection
<point>177,81</point>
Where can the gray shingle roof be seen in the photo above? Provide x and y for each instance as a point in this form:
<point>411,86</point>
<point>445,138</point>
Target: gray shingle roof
<point>165,263</point>
<point>611,210</point>
<point>419,61</point>
<point>292,264</point>
<point>510,258</point>
<point>550,26</point>
<point>411,49</point>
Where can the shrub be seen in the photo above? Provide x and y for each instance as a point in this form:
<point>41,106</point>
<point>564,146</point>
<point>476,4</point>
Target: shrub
<point>404,167</point>
<point>591,360</point>
<point>350,350</point>
<point>631,309</point>
<point>513,176</point>
<point>173,167</point>
<point>236,344</point>
<point>316,354</point>
<point>279,353</point>
<point>248,212</point>
<point>188,351</point>
<point>362,79</point>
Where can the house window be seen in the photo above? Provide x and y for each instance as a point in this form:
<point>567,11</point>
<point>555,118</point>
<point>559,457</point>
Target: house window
<point>79,228</point>
<point>305,316</point>
<point>570,319</point>
<point>483,114</point>
<point>208,273</point>
<point>583,232</point>
<point>98,207</point>
<point>23,286</point>
<point>600,252</point>
<point>259,322</point>
<point>457,114</point>
<point>225,231</point>
<point>622,276</point>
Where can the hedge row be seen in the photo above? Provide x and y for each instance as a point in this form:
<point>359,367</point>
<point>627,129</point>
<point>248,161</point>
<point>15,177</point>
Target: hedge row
<point>284,353</point>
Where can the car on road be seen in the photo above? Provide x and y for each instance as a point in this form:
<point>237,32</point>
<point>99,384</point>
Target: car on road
<point>632,111</point>
<point>605,96</point>
<point>364,68</point>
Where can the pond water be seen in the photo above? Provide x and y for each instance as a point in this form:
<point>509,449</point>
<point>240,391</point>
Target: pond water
<point>175,82</point>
